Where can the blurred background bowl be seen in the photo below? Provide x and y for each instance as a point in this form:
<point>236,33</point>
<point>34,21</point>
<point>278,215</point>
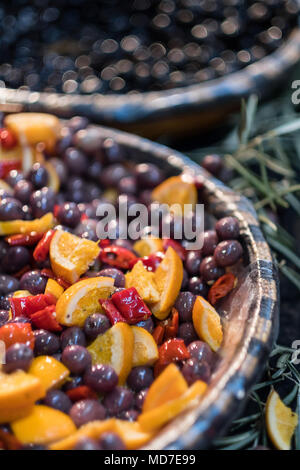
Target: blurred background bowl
<point>177,112</point>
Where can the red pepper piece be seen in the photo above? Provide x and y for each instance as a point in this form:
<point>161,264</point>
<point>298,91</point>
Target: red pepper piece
<point>151,262</point>
<point>12,333</point>
<point>83,217</point>
<point>104,243</point>
<point>180,250</point>
<point>9,441</point>
<point>221,288</point>
<point>56,209</point>
<point>20,239</point>
<point>81,393</point>
<point>173,350</point>
<point>117,256</point>
<point>7,165</point>
<point>26,306</point>
<point>111,311</point>
<point>46,319</point>
<point>42,249</point>
<point>8,140</point>
<point>158,334</point>
<point>131,305</point>
<point>172,325</point>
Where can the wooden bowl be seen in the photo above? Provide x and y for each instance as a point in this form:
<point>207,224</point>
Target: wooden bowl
<point>250,313</point>
<point>177,112</point>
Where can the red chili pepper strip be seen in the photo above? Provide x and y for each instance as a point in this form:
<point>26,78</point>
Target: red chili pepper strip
<point>26,306</point>
<point>46,319</point>
<point>111,311</point>
<point>81,393</point>
<point>172,326</point>
<point>221,288</point>
<point>12,333</point>
<point>180,250</point>
<point>158,334</point>
<point>131,305</point>
<point>20,239</point>
<point>117,256</point>
<point>42,249</point>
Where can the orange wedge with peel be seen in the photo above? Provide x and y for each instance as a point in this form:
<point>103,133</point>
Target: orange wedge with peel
<point>115,347</point>
<point>50,372</point>
<point>179,190</point>
<point>71,256</point>
<point>32,128</point>
<point>25,226</point>
<point>143,280</point>
<point>42,426</point>
<point>154,419</point>
<point>168,386</point>
<point>281,422</point>
<point>82,299</point>
<point>132,434</point>
<point>146,246</point>
<point>168,278</point>
<point>18,393</point>
<point>145,351</point>
<point>92,430</point>
<point>207,323</point>
<point>52,287</point>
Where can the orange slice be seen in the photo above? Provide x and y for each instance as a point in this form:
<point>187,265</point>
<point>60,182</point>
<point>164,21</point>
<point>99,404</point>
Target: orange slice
<point>18,393</point>
<point>207,323</point>
<point>154,419</point>
<point>168,278</point>
<point>71,256</point>
<point>168,386</point>
<point>92,430</point>
<point>143,280</point>
<point>82,299</point>
<point>179,190</point>
<point>42,426</point>
<point>145,351</point>
<point>50,372</point>
<point>34,128</point>
<point>132,434</point>
<point>281,422</point>
<point>115,347</point>
<point>52,287</point>
<point>25,226</point>
<point>146,246</point>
